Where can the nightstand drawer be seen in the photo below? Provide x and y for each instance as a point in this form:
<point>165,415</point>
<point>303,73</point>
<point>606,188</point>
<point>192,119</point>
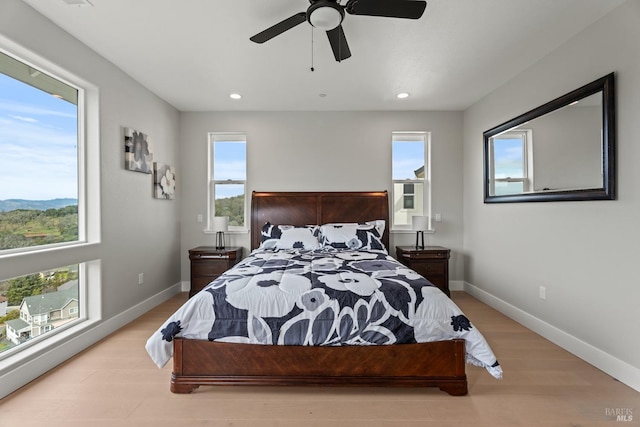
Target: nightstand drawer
<point>201,255</point>
<point>429,270</point>
<point>207,263</point>
<point>427,255</point>
<point>209,268</point>
<point>431,262</point>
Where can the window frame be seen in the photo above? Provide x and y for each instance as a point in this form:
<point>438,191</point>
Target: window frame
<point>527,179</point>
<point>82,252</point>
<point>425,137</point>
<point>227,137</point>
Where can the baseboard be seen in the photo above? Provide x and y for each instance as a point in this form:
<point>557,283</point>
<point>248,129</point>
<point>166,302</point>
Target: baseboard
<point>116,322</point>
<point>456,285</point>
<point>50,358</point>
<point>618,369</point>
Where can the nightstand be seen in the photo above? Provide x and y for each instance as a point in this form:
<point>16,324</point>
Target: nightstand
<point>432,262</point>
<point>207,263</point>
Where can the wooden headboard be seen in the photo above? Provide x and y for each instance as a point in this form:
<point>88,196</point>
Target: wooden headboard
<point>309,208</point>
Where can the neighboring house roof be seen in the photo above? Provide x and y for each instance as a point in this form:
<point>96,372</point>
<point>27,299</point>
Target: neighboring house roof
<point>71,284</point>
<point>3,299</point>
<point>46,303</point>
<point>17,324</point>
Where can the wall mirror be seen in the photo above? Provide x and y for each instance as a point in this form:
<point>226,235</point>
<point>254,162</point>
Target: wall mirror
<point>561,151</point>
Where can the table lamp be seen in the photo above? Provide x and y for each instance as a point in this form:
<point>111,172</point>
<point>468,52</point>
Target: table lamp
<point>420,224</point>
<point>220,225</point>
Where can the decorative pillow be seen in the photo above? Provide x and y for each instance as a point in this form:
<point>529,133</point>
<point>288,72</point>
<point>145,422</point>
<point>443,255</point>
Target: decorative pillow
<point>289,237</point>
<point>365,236</point>
<point>379,224</point>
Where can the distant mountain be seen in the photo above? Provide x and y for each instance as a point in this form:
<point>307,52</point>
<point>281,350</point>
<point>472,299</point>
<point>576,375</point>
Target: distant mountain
<point>41,205</point>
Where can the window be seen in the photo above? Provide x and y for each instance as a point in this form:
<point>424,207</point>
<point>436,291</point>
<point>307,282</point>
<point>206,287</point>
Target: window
<point>409,200</point>
<point>410,174</point>
<point>38,158</point>
<point>38,303</point>
<point>49,205</point>
<point>227,178</point>
<point>512,171</point>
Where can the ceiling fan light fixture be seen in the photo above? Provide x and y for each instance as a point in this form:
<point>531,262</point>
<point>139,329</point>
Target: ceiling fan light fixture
<point>325,15</point>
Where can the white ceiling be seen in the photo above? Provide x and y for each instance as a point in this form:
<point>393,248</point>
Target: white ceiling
<point>194,53</point>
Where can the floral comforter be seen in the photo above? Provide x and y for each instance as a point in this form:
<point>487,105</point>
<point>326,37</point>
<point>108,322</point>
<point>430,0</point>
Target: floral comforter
<point>321,297</point>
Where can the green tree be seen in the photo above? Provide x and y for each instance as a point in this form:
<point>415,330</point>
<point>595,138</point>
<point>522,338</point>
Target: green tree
<point>25,286</point>
<point>11,315</point>
<point>61,277</point>
<point>23,227</point>
<point>233,207</point>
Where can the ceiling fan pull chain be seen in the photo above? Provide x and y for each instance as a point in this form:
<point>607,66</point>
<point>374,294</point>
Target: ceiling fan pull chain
<point>312,68</point>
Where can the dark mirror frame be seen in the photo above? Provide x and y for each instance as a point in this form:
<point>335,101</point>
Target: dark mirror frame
<point>608,189</point>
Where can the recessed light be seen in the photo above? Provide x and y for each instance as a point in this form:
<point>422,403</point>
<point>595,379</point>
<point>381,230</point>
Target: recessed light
<point>323,95</point>
<point>235,96</point>
<point>78,2</point>
<point>402,95</point>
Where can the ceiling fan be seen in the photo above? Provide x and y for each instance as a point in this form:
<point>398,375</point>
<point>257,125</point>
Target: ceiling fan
<point>327,15</point>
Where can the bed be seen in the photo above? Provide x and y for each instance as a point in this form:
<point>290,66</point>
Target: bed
<point>330,323</point>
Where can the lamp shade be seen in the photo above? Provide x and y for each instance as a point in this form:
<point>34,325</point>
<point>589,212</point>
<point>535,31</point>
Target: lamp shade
<point>420,223</point>
<point>220,223</point>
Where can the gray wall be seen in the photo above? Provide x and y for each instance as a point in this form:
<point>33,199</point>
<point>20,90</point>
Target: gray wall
<point>324,151</point>
<point>567,149</point>
<point>584,253</point>
<point>139,234</point>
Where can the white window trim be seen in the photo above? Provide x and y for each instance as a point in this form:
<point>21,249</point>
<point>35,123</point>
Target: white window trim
<point>16,263</point>
<point>426,207</point>
<point>239,136</point>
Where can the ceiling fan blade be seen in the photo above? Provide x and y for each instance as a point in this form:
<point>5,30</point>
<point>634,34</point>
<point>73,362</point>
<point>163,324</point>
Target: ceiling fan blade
<point>339,44</point>
<point>410,9</point>
<point>279,28</point>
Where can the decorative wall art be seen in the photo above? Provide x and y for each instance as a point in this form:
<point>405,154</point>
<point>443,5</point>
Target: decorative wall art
<point>164,181</point>
<point>137,151</point>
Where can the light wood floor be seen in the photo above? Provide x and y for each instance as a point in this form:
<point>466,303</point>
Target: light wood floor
<point>543,386</point>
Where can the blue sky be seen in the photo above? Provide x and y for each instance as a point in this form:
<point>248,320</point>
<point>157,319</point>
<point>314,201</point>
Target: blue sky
<point>38,144</point>
<point>407,157</point>
<point>229,162</point>
<point>507,153</point>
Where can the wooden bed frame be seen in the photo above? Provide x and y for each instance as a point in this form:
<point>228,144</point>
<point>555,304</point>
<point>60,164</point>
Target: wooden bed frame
<point>435,364</point>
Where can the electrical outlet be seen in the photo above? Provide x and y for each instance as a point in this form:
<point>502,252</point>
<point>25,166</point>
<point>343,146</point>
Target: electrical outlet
<point>438,217</point>
<point>140,278</point>
<point>199,218</point>
<point>542,293</point>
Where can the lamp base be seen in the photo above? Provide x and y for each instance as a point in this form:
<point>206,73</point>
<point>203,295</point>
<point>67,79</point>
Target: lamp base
<point>418,235</point>
<point>219,239</point>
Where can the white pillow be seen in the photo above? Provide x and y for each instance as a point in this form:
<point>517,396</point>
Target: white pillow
<point>289,237</point>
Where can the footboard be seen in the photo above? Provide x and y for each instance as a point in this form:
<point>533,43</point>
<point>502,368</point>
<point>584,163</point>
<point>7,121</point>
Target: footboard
<point>435,364</point>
